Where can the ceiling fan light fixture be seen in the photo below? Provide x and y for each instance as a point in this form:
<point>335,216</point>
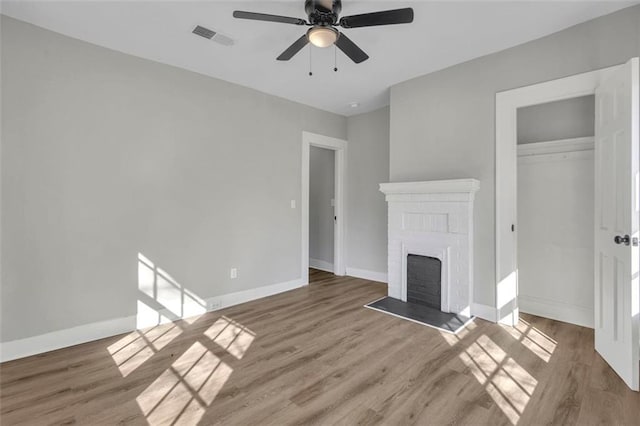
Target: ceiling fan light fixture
<point>323,18</point>
<point>321,36</point>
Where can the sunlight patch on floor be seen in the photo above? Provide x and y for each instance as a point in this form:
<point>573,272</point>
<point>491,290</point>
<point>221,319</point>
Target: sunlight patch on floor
<point>533,339</point>
<point>166,309</point>
<point>231,336</point>
<point>507,382</point>
<point>453,339</point>
<point>182,393</point>
<point>137,347</point>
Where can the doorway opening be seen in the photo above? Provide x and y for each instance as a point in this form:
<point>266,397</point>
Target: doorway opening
<point>616,215</point>
<point>322,216</point>
<point>555,215</point>
<point>507,228</point>
<point>327,219</point>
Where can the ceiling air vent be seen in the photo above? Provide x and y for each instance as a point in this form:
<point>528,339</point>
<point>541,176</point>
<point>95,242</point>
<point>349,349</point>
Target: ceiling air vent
<point>213,35</point>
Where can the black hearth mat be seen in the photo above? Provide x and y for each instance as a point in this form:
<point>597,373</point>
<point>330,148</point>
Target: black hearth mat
<point>451,323</point>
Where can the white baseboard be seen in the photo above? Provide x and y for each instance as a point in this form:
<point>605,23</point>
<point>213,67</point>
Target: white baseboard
<point>367,275</point>
<point>63,338</point>
<point>509,313</point>
<point>559,311</point>
<point>321,265</point>
<point>232,299</point>
<point>21,348</point>
<point>541,307</point>
<point>484,311</point>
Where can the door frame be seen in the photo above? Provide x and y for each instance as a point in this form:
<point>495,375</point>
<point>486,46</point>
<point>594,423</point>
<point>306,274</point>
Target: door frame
<point>339,146</point>
<point>506,175</point>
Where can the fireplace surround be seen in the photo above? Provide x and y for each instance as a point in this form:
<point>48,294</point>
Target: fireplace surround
<point>433,219</point>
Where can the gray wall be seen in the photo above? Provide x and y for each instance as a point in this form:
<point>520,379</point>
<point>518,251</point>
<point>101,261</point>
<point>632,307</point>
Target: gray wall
<point>442,124</point>
<point>368,136</point>
<point>105,156</point>
<point>321,192</point>
<point>566,119</point>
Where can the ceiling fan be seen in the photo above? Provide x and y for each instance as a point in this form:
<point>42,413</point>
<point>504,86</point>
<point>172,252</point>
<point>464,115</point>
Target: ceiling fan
<point>323,18</point>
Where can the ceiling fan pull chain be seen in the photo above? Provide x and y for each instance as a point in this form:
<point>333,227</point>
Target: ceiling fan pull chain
<point>335,58</point>
<point>310,71</point>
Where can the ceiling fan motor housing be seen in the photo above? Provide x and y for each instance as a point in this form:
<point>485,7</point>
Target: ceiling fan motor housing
<point>323,12</point>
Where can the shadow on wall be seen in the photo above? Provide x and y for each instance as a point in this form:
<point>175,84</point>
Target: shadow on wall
<point>161,299</point>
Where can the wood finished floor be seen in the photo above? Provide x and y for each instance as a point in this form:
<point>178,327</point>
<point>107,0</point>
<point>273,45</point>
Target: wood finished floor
<point>315,356</point>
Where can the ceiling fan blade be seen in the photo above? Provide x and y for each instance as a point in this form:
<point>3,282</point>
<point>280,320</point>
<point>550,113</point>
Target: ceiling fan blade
<point>266,17</point>
<point>387,17</point>
<point>350,49</point>
<point>294,48</point>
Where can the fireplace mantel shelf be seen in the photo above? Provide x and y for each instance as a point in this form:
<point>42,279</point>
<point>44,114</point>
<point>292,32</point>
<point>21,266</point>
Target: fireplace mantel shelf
<point>431,187</point>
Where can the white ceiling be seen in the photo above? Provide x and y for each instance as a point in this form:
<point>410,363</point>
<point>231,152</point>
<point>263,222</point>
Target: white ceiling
<point>443,34</point>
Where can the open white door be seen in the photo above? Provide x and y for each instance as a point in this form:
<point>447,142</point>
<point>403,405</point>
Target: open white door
<point>617,298</point>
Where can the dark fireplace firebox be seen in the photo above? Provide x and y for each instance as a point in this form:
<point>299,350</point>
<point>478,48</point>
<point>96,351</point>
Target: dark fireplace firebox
<point>424,280</point>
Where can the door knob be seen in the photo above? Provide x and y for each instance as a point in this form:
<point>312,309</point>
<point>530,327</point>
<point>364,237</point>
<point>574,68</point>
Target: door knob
<point>626,240</point>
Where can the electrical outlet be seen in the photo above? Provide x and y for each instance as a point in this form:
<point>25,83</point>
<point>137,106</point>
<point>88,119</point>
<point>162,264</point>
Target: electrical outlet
<point>214,305</point>
<point>293,204</point>
<point>233,273</point>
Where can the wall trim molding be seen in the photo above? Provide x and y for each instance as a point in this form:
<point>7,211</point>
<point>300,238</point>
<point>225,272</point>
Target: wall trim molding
<point>85,333</point>
<point>559,311</point>
<point>321,265</point>
<point>59,339</point>
<point>557,146</point>
<point>485,312</point>
<point>431,187</point>
<point>231,299</point>
<point>367,275</point>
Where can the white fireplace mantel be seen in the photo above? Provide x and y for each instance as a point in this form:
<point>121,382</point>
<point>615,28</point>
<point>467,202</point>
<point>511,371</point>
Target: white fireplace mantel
<point>433,218</point>
<point>468,186</point>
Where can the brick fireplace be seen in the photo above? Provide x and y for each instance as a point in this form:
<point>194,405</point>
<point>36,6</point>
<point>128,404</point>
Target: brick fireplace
<point>433,219</point>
